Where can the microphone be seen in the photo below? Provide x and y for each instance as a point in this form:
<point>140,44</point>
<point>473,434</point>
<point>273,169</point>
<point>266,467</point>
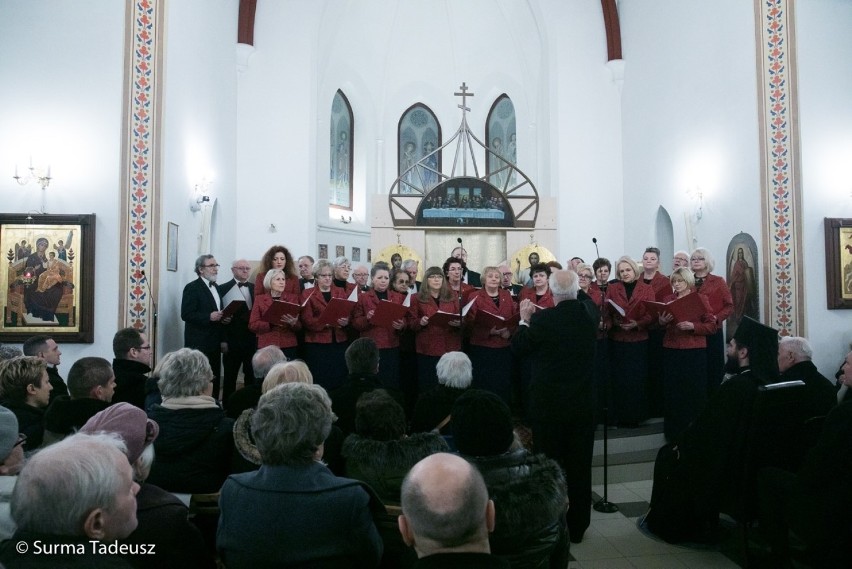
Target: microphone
<point>458,239</point>
<point>595,241</point>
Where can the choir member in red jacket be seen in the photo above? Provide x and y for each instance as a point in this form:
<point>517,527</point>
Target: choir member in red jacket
<point>539,293</point>
<point>325,344</point>
<point>490,350</point>
<point>433,340</point>
<point>454,271</point>
<point>718,294</point>
<point>684,359</point>
<point>386,338</point>
<point>277,257</point>
<point>283,332</point>
<point>628,346</point>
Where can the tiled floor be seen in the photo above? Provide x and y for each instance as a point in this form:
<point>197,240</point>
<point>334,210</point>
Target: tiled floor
<point>614,541</point>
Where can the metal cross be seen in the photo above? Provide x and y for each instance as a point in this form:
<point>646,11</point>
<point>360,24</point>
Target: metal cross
<point>464,95</point>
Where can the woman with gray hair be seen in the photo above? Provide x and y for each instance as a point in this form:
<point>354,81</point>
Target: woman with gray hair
<point>432,410</point>
<point>325,344</point>
<point>195,447</point>
<point>281,332</point>
<point>328,520</point>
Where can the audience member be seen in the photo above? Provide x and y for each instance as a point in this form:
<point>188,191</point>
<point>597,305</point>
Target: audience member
<point>379,452</point>
<point>91,383</point>
<point>131,366</point>
<point>528,490</point>
<point>8,352</point>
<point>162,518</point>
<point>432,410</point>
<point>562,343</point>
<point>362,362</point>
<point>25,391</point>
<point>795,357</point>
<point>246,398</point>
<point>196,443</point>
<point>69,495</point>
<point>447,515</point>
<point>46,349</point>
<point>328,520</point>
<point>11,462</point>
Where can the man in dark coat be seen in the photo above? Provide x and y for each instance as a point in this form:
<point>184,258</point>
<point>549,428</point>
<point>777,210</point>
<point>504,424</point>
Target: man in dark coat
<point>45,348</point>
<point>131,366</point>
<point>447,515</point>
<point>696,473</point>
<point>242,343</point>
<point>92,384</point>
<point>561,341</point>
<point>201,310</point>
<point>795,362</point>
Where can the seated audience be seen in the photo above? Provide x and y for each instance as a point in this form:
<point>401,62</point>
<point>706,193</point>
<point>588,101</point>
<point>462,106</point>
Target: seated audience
<point>196,442</point>
<point>75,492</point>
<point>8,352</point>
<point>246,398</point>
<point>11,462</point>
<point>447,515</point>
<point>528,490</point>
<point>795,357</point>
<point>131,365</point>
<point>294,511</point>
<point>362,362</point>
<point>379,452</point>
<point>47,350</point>
<point>162,518</point>
<point>432,410</point>
<point>91,383</point>
<point>25,391</point>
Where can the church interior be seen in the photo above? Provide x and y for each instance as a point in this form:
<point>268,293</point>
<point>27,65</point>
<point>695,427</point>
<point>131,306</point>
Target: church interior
<point>205,126</point>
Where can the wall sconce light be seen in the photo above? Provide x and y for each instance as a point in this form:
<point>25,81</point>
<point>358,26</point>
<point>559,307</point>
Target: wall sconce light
<point>200,196</point>
<point>698,195</point>
<point>345,220</point>
<point>40,177</point>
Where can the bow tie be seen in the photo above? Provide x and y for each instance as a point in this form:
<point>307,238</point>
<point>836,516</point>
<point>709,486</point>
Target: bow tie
<point>699,281</point>
<point>241,285</point>
<point>211,284</point>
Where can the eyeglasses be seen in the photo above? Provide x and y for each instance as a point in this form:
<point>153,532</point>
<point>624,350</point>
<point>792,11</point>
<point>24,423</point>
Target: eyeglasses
<point>587,277</point>
<point>241,268</point>
<point>22,438</point>
<point>356,275</point>
<point>506,274</point>
<point>210,266</point>
<point>697,259</point>
<point>323,275</point>
<point>148,347</point>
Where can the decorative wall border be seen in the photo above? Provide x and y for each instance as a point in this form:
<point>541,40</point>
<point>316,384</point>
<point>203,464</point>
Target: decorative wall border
<point>140,241</point>
<point>780,177</point>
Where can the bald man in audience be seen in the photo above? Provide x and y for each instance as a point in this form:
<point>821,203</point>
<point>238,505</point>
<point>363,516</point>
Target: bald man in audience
<point>795,356</point>
<point>446,514</point>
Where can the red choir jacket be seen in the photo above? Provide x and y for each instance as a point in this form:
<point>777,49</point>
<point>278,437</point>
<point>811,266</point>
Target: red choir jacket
<point>291,286</point>
<point>384,337</point>
<point>434,340</point>
<point>480,336</point>
<point>719,295</point>
<point>661,285</point>
<point>281,335</point>
<point>678,339</point>
<point>315,332</point>
<point>528,293</point>
<point>618,294</point>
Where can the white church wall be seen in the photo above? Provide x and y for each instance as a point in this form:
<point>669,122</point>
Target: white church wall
<point>690,121</point>
<point>825,120</point>
<point>61,103</point>
<point>199,143</point>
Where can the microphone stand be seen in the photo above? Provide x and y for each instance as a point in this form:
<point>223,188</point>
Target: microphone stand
<point>604,505</point>
<point>152,337</point>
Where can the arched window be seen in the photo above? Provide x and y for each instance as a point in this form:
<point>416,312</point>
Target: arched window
<point>418,138</point>
<point>342,128</point>
<point>501,136</point>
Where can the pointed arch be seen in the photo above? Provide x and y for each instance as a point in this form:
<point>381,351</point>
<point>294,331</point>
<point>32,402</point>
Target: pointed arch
<point>501,137</point>
<point>341,147</point>
<point>418,136</point>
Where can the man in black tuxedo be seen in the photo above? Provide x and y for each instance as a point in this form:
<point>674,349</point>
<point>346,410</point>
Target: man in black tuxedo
<point>242,343</point>
<point>506,280</point>
<point>470,277</point>
<point>201,310</point>
<point>561,341</point>
<point>305,265</point>
<point>411,267</point>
